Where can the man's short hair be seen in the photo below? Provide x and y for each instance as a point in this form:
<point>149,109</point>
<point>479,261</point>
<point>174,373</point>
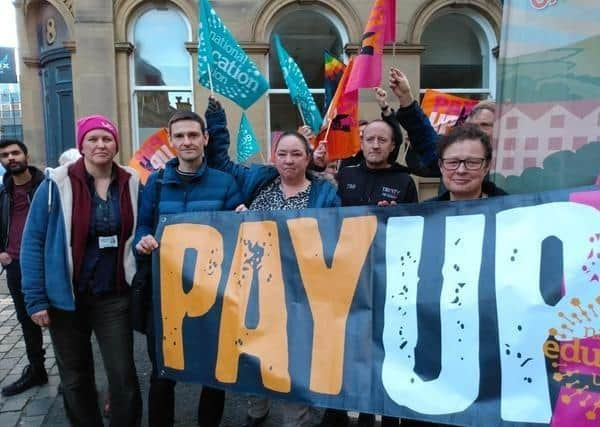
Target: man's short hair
<point>181,115</point>
<point>396,139</point>
<point>6,142</point>
<point>464,132</point>
<point>489,105</point>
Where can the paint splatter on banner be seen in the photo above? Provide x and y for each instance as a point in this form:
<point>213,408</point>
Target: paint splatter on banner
<point>477,313</point>
<point>549,127</point>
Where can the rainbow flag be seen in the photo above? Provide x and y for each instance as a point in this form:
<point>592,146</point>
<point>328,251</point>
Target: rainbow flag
<point>334,69</point>
<point>380,29</point>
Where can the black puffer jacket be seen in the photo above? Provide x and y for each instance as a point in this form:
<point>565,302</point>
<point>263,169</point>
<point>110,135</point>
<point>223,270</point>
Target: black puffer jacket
<point>37,176</point>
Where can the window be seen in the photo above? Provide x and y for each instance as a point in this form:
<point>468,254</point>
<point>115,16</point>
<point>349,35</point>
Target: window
<point>161,70</point>
<point>11,131</point>
<point>458,57</point>
<point>305,34</point>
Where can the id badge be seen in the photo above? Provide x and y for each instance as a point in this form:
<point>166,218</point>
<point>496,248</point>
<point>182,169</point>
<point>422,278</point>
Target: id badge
<point>108,242</point>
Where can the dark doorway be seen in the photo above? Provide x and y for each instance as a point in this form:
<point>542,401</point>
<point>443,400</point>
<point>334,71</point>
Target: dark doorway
<point>57,96</point>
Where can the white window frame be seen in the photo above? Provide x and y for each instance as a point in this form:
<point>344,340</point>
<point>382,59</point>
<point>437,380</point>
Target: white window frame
<point>487,41</point>
<point>135,89</point>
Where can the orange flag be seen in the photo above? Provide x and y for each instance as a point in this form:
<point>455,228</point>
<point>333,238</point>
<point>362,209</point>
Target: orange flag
<point>341,132</point>
<point>444,110</point>
<point>152,155</point>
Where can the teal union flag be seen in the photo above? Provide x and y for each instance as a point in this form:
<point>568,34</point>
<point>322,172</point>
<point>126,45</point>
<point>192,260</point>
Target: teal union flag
<point>247,143</point>
<point>223,66</point>
<point>298,88</point>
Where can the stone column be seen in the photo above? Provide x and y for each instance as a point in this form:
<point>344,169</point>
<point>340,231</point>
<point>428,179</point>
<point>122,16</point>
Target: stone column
<point>123,51</point>
<point>93,65</point>
<point>31,88</point>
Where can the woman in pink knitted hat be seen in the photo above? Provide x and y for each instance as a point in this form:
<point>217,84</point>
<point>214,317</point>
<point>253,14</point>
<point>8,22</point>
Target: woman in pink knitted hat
<point>77,266</point>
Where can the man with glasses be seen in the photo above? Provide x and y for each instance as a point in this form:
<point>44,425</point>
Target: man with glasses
<point>421,157</point>
<point>464,160</point>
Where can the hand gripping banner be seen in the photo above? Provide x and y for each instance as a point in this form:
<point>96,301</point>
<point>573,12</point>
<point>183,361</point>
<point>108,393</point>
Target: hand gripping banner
<point>484,312</point>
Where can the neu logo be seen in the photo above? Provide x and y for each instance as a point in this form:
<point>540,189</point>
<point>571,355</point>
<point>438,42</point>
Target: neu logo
<point>574,352</point>
<point>108,126</point>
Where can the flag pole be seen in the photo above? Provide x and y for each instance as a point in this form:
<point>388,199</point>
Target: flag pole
<point>201,14</point>
<point>262,157</point>
<point>301,115</point>
<point>329,108</point>
<point>210,83</point>
<point>327,131</point>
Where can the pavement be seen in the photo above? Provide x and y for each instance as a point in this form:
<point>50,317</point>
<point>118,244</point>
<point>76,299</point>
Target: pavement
<point>31,407</point>
<point>43,406</point>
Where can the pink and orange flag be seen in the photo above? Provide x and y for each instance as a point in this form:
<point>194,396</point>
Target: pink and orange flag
<point>445,110</point>
<point>153,154</point>
<point>380,29</point>
<point>342,134</point>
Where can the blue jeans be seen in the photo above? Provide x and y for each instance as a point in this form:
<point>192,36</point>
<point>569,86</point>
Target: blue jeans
<point>108,317</point>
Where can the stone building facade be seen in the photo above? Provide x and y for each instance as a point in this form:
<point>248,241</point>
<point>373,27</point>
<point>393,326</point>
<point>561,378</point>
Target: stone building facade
<point>135,60</point>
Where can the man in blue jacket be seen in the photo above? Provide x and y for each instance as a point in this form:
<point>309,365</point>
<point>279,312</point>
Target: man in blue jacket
<point>187,185</point>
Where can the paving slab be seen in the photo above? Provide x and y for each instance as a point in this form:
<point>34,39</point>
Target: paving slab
<point>13,404</point>
<point>31,421</point>
<point>9,419</point>
<point>36,407</point>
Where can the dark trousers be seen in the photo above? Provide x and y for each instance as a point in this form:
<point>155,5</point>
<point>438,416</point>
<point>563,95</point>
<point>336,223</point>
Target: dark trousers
<point>161,396</point>
<point>385,420</point>
<point>339,418</point>
<point>109,319</point>
<point>32,333</point>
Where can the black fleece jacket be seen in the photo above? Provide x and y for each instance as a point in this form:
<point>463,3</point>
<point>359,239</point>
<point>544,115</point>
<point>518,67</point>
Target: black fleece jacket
<point>359,185</point>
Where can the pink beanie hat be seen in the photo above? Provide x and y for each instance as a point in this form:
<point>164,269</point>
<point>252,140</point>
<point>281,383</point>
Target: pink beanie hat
<point>93,122</point>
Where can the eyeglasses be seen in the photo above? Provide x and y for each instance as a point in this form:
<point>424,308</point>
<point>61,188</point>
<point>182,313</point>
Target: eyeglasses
<point>471,164</point>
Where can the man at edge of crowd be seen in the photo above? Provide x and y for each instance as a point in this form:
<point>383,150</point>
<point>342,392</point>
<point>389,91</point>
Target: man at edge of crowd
<point>19,185</point>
